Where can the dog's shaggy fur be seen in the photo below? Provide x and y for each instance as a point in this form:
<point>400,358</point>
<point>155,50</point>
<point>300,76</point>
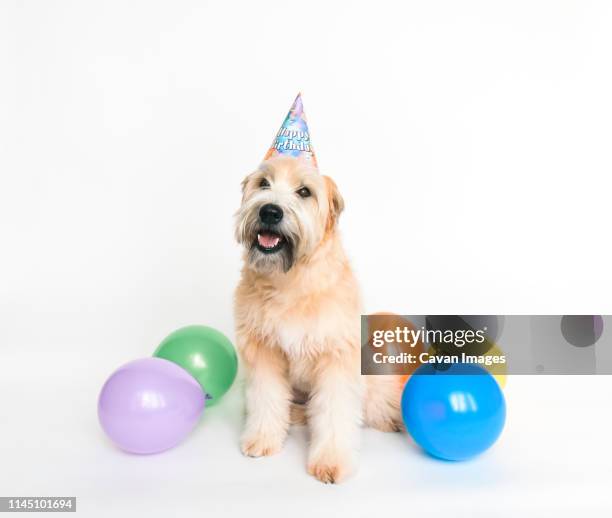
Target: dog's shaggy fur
<point>297,313</point>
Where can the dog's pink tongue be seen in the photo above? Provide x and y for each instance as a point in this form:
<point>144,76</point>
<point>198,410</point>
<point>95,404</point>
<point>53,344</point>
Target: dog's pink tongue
<point>268,240</point>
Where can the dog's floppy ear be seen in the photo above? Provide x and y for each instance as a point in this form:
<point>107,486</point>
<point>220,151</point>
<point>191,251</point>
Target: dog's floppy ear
<point>249,177</point>
<point>335,201</point>
<point>244,182</point>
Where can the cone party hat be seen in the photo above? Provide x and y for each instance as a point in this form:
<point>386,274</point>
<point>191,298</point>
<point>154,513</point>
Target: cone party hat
<point>293,137</point>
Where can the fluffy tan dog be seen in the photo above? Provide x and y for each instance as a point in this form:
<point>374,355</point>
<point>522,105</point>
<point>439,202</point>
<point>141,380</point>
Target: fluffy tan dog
<point>297,314</point>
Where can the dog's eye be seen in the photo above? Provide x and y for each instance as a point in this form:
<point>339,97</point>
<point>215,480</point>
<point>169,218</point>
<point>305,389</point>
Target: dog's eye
<point>264,184</point>
<point>304,192</point>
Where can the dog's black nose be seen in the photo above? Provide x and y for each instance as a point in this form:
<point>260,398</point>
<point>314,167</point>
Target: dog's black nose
<point>270,214</point>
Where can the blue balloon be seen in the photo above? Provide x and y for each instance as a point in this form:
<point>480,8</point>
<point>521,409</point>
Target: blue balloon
<point>453,414</point>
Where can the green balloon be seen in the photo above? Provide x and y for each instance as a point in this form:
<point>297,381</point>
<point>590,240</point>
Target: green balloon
<point>206,354</point>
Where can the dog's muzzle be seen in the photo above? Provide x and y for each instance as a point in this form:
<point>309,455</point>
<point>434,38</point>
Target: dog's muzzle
<point>270,214</point>
<point>269,239</point>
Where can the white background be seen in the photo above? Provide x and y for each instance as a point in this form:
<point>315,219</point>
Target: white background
<point>471,141</point>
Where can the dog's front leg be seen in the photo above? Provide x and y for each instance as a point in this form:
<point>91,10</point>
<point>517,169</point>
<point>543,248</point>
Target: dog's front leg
<point>268,400</point>
<point>334,415</point>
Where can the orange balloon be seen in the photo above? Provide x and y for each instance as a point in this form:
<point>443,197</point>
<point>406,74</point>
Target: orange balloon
<point>387,321</point>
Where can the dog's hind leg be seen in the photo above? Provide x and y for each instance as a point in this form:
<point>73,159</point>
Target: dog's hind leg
<point>298,414</point>
<point>381,406</point>
<point>298,408</point>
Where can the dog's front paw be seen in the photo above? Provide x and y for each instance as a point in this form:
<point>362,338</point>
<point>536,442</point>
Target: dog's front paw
<point>261,444</point>
<point>331,468</point>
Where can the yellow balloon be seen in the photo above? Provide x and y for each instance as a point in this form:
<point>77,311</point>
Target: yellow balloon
<point>498,370</point>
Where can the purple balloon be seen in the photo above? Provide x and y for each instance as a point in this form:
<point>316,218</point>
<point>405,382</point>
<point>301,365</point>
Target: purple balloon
<point>150,405</point>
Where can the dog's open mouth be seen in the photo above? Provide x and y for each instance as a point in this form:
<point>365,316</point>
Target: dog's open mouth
<point>269,242</point>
